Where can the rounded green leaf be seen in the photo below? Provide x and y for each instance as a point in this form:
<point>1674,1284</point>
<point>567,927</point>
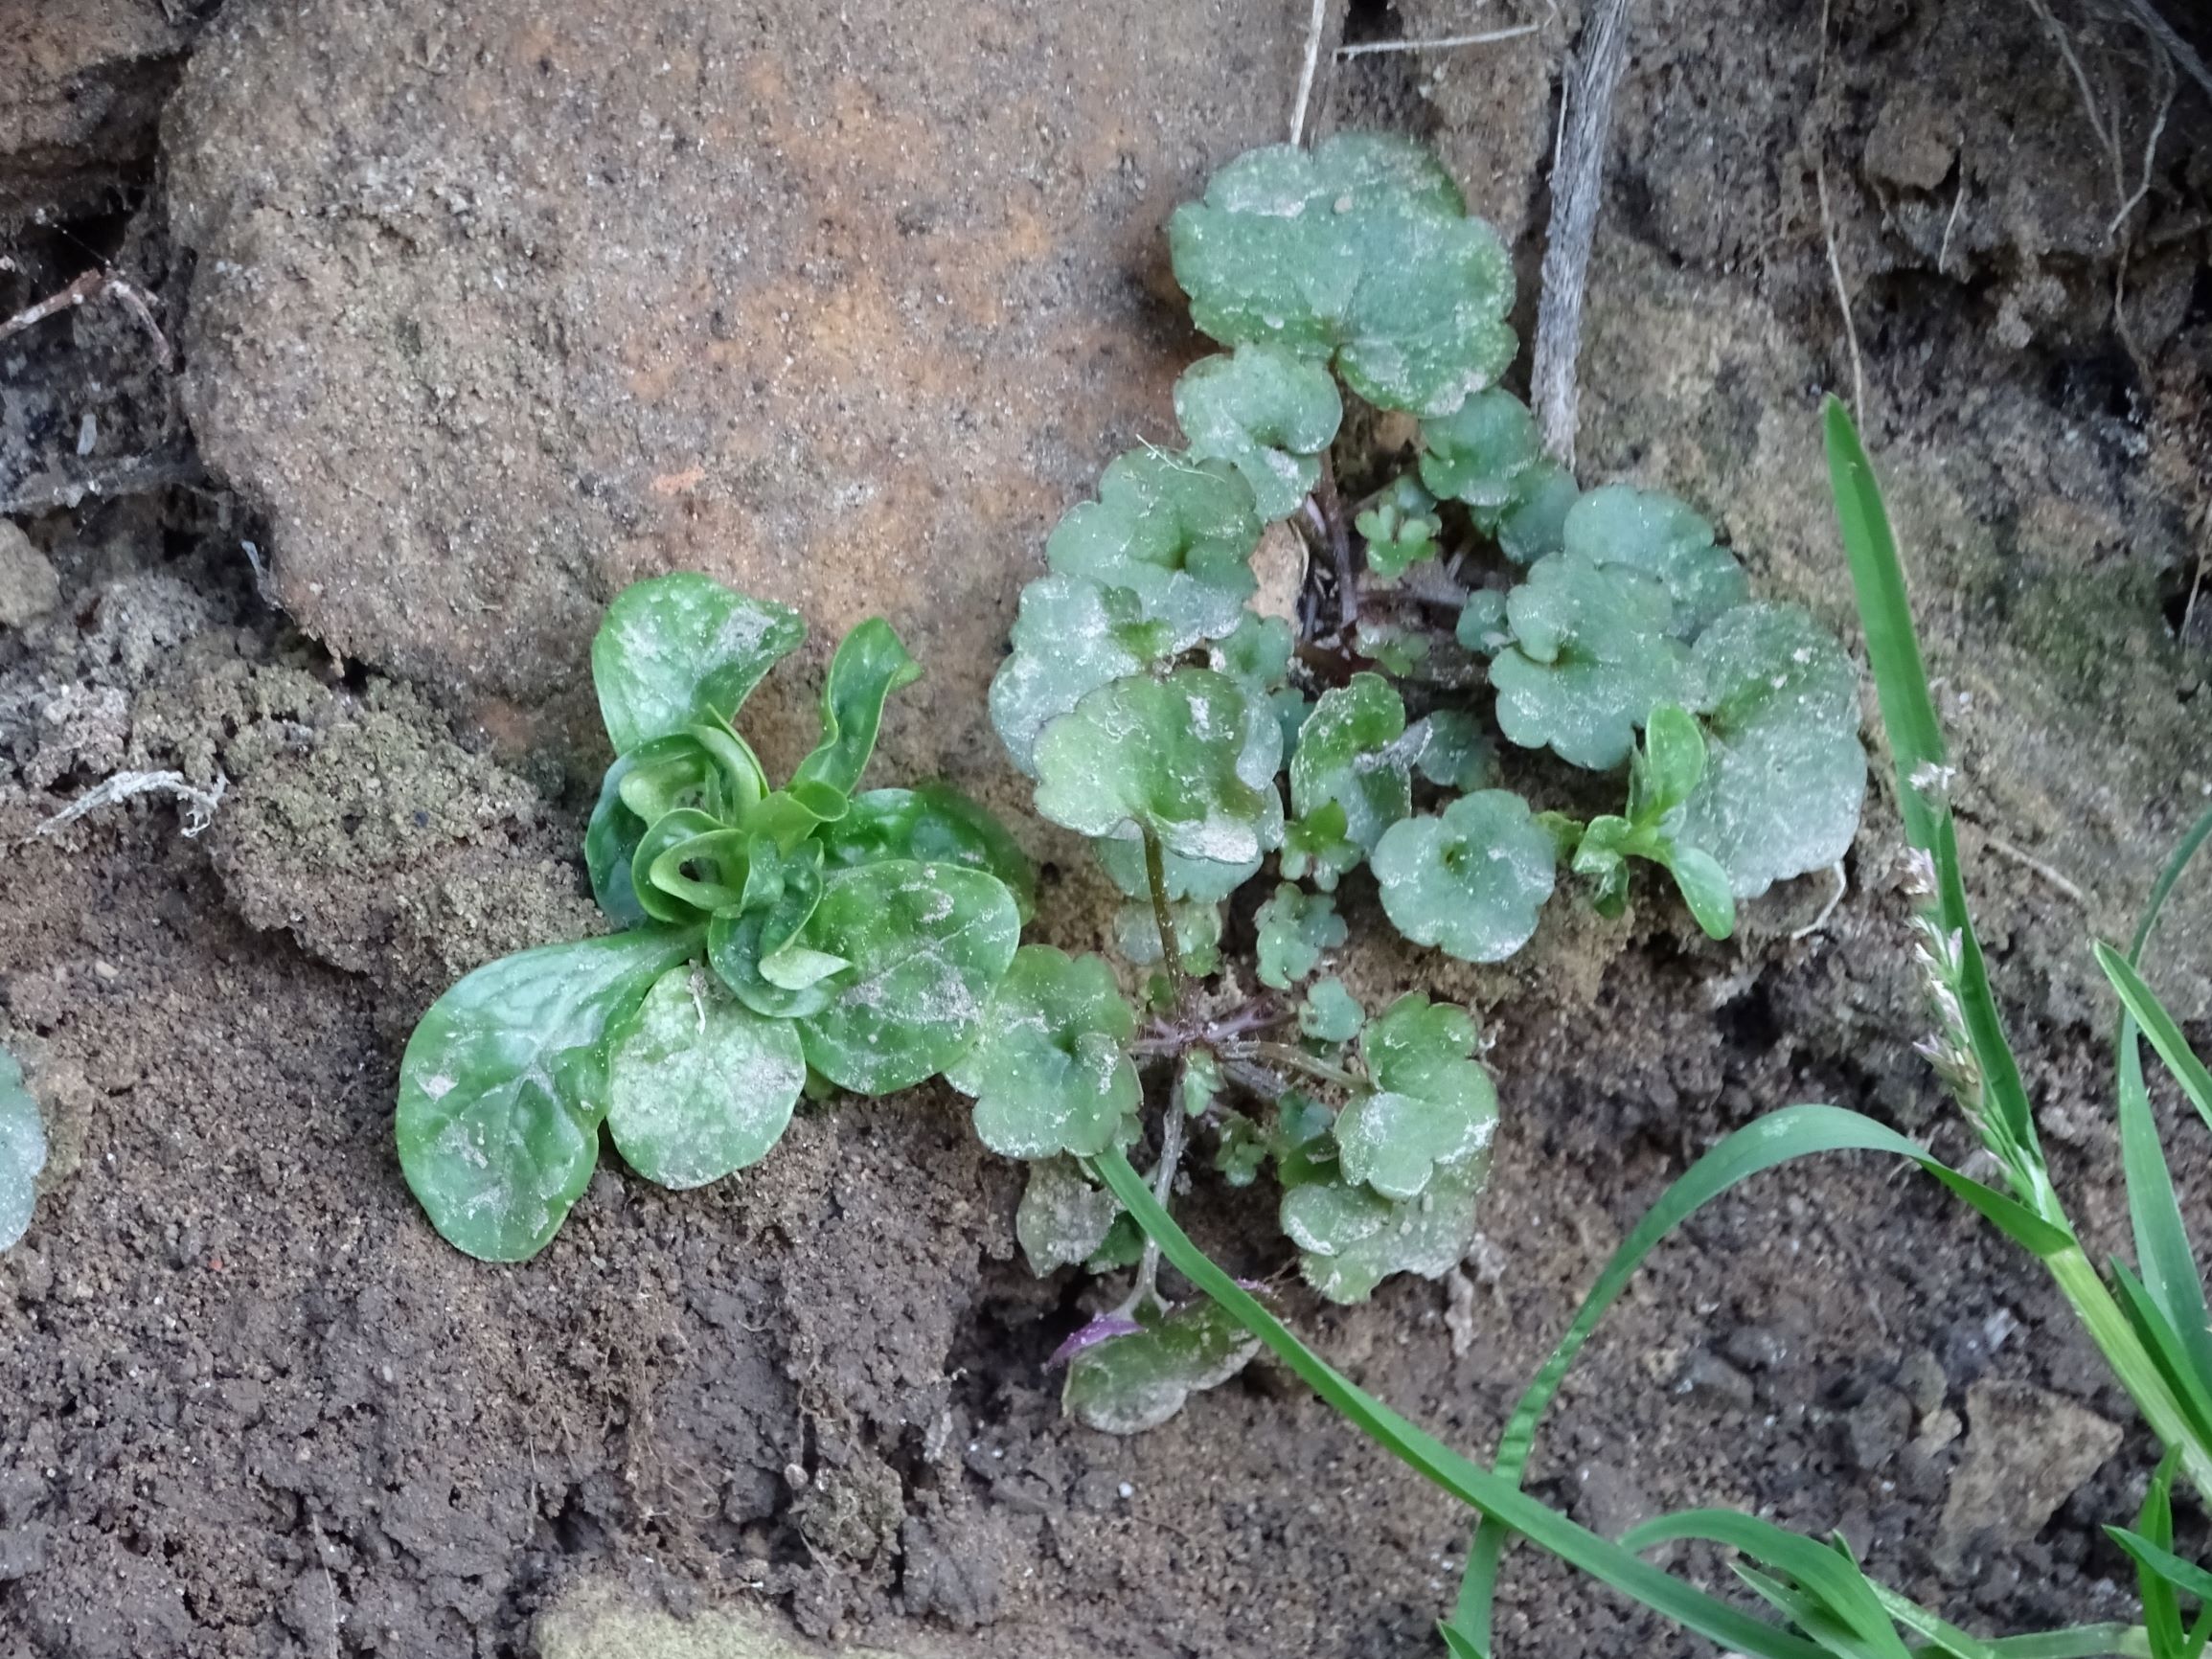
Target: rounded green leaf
<point>735,951</point>
<point>676,650</point>
<point>1471,880</point>
<point>1351,1239</point>
<point>1257,654</point>
<point>1401,529</point>
<point>1294,928</point>
<point>1453,752</point>
<point>1785,774</point>
<point>1176,532</point>
<point>1268,412</point>
<point>1191,757</point>
<point>22,1151</point>
<point>503,1086</point>
<point>1050,1072</point>
<point>1593,651</point>
<point>870,663</point>
<point>1330,1013</point>
<point>1063,1219</point>
<point>1704,887</point>
<point>1129,1384</point>
<point>1664,773</point>
<point>1649,530</point>
<point>1349,753</point>
<point>1481,451</point>
<point>1359,252</point>
<point>1432,1106</point>
<point>927,945</point>
<point>698,1085</point>
<point>1534,526</point>
<point>1198,935</point>
<point>1072,637</point>
<point>936,824</point>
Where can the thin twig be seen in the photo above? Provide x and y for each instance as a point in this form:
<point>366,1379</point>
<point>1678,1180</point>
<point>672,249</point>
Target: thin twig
<point>2177,48</point>
<point>1958,201</point>
<point>1330,506</point>
<point>2030,862</point>
<point>2163,70</point>
<point>1446,42</point>
<point>1295,1059</point>
<point>1164,918</point>
<point>1842,298</point>
<point>1578,176</point>
<point>1313,27</point>
<point>91,286</point>
<point>199,804</point>
<point>1842,886</point>
<point>137,477</point>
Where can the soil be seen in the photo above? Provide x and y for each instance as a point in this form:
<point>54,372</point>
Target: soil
<point>479,318</point>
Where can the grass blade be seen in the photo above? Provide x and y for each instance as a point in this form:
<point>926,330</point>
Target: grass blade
<point>1831,1579</point>
<point>2185,1577</point>
<point>2146,1009</point>
<point>1473,1485</point>
<point>2078,1642</point>
<point>2161,1606</point>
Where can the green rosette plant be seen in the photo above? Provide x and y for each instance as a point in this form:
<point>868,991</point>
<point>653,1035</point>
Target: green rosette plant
<point>773,940</point>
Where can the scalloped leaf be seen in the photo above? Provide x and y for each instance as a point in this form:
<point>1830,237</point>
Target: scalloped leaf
<point>1198,935</point>
<point>1350,1238</point>
<point>676,650</point>
<point>698,1085</point>
<point>1294,928</point>
<point>1349,754</point>
<point>1661,535</point>
<point>1401,529</point>
<point>1129,1384</point>
<point>1471,880</point>
<point>1190,755</point>
<point>1071,637</point>
<point>1328,1012</point>
<point>1199,881</point>
<point>1063,1219</point>
<point>1359,253</point>
<point>1785,775</point>
<point>1176,531</point>
<point>1268,412</point>
<point>1050,1072</point>
<point>504,1083</point>
<point>1594,649</point>
<point>1432,1106</point>
<point>22,1151</point>
<point>927,945</point>
<point>1453,752</point>
<point>1257,654</point>
<point>1479,452</point>
<point>936,824</point>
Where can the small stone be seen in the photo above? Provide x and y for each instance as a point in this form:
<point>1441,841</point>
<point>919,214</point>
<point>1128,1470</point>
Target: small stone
<point>1938,1430</point>
<point>1875,1429</point>
<point>1712,1382</point>
<point>1923,1383</point>
<point>29,588</point>
<point>22,1551</point>
<point>1757,1347</point>
<point>2027,1451</point>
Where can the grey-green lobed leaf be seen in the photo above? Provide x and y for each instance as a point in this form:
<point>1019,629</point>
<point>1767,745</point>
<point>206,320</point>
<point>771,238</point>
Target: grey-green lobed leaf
<point>1200,880</point>
<point>1349,753</point>
<point>1071,637</point>
<point>698,1085</point>
<point>1479,452</point>
<point>1050,1071</point>
<point>1471,880</point>
<point>1176,532</point>
<point>1351,1239</point>
<point>1359,253</point>
<point>503,1086</point>
<point>1294,928</point>
<point>1432,1106</point>
<point>1330,1013</point>
<point>1268,412</point>
<point>927,943</point>
<point>22,1151</point>
<point>1594,649</point>
<point>1061,1220</point>
<point>1650,530</point>
<point>673,651</point>
<point>1189,756</point>
<point>1785,775</point>
<point>1198,935</point>
<point>1451,750</point>
<point>1129,1384</point>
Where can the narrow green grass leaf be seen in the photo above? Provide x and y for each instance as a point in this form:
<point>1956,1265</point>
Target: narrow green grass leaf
<point>1830,1579</point>
<point>2165,1349</point>
<point>2078,1642</point>
<point>1476,1486</point>
<point>2185,1577</point>
<point>2154,1522</point>
<point>2148,1011</point>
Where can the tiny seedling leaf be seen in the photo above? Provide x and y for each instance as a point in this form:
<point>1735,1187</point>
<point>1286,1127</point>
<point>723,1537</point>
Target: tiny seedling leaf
<point>1359,253</point>
<point>1432,1106</point>
<point>1471,880</point>
<point>927,945</point>
<point>679,649</point>
<point>1593,653</point>
<point>1129,1384</point>
<point>1349,754</point>
<point>1268,412</point>
<point>1294,928</point>
<point>1328,1012</point>
<point>1050,1072</point>
<point>22,1151</point>
<point>1176,532</point>
<point>698,1085</point>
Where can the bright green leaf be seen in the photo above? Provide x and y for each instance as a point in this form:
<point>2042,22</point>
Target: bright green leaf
<point>1176,532</point>
<point>1593,653</point>
<point>1242,1152</point>
<point>1351,1240</point>
<point>1189,756</point>
<point>1294,928</point>
<point>928,943</point>
<point>676,650</point>
<point>503,1086</point>
<point>1049,1071</point>
<point>735,951</point>
<point>1072,636</point>
<point>1432,1107</point>
<point>1202,1081</point>
<point>1317,846</point>
<point>870,665</point>
<point>1471,880</point>
<point>1328,1012</point>
<point>1705,889</point>
<point>1349,753</point>
<point>1129,1384</point>
<point>22,1151</point>
<point>698,1085</point>
<point>1786,777</point>
<point>1649,530</point>
<point>1666,771</point>
<point>935,824</point>
<point>1401,529</point>
<point>1258,653</point>
<point>1267,411</point>
<point>1359,252</point>
<point>1063,1219</point>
